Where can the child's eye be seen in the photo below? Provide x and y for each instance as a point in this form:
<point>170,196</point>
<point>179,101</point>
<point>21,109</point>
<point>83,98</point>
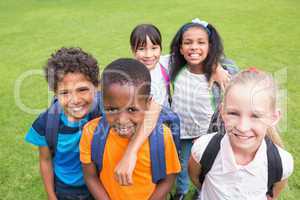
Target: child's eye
<point>155,47</point>
<point>83,89</point>
<point>233,113</point>
<point>63,93</point>
<point>132,110</point>
<point>186,42</point>
<point>256,116</point>
<point>111,110</point>
<point>140,49</point>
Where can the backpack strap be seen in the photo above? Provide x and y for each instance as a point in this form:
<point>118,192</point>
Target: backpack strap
<point>52,126</point>
<point>97,109</point>
<point>53,119</point>
<point>98,143</point>
<point>166,76</point>
<point>157,154</point>
<point>157,145</point>
<point>210,153</point>
<point>274,165</point>
<point>171,119</point>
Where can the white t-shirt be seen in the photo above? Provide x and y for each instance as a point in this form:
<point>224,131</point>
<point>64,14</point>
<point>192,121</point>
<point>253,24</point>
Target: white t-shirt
<point>228,181</point>
<point>192,101</point>
<point>158,82</point>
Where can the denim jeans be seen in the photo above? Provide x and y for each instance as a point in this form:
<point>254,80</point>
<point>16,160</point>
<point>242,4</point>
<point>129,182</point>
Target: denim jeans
<point>67,192</point>
<point>183,180</point>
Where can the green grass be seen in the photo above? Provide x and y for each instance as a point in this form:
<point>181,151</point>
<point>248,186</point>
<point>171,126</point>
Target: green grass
<point>259,32</point>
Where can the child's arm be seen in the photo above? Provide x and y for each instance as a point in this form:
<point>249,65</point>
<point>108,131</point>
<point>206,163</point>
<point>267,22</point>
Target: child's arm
<point>124,169</point>
<point>277,189</point>
<point>221,76</point>
<point>194,169</point>
<point>93,182</point>
<point>163,188</point>
<point>47,171</point>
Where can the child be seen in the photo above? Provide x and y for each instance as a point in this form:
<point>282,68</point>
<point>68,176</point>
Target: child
<point>196,50</point>
<point>126,96</point>
<point>146,46</point>
<point>241,166</point>
<point>73,76</point>
<point>145,42</point>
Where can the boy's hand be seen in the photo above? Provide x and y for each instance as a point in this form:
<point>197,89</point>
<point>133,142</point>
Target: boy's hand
<point>221,76</point>
<point>124,169</point>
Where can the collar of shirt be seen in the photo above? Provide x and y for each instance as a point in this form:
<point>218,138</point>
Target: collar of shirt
<point>74,124</point>
<point>228,161</point>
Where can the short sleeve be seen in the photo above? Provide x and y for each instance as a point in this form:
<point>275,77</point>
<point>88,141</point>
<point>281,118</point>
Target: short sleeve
<point>35,138</point>
<point>36,134</point>
<point>171,155</point>
<point>287,163</point>
<point>200,145</point>
<point>86,140</point>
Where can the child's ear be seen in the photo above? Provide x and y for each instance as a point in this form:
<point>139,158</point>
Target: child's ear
<point>180,50</point>
<point>149,101</point>
<point>276,117</point>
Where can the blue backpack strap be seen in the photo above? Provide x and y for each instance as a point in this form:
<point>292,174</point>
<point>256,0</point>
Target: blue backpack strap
<point>170,118</point>
<point>98,143</point>
<point>157,145</point>
<point>210,154</point>
<point>274,165</point>
<point>157,153</point>
<point>52,125</point>
<point>97,109</point>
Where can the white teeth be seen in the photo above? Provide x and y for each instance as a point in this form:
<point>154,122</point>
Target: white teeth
<point>124,131</point>
<point>194,55</point>
<point>76,109</point>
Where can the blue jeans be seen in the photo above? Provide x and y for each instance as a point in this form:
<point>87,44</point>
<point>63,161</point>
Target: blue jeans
<point>183,179</point>
<point>68,192</point>
<point>74,196</point>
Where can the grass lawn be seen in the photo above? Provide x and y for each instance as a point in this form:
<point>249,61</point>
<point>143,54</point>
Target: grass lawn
<point>255,33</point>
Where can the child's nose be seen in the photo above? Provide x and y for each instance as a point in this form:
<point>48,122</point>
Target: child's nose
<point>123,117</point>
<point>148,53</point>
<point>244,124</point>
<point>194,45</point>
<point>75,99</point>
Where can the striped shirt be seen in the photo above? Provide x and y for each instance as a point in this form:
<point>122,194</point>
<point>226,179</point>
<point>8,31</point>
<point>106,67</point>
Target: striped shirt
<point>192,101</point>
<point>66,163</point>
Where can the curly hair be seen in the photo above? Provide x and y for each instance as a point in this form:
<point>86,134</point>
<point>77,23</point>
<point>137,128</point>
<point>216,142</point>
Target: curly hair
<point>70,60</point>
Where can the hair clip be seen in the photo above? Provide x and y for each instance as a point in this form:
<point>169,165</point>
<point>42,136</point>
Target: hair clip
<point>252,69</point>
<point>198,21</point>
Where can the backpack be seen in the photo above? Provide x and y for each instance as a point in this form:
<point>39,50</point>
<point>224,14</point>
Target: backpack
<point>273,157</point>
<point>156,141</point>
<point>53,120</point>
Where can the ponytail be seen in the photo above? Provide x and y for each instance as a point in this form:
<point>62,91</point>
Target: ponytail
<point>274,136</point>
